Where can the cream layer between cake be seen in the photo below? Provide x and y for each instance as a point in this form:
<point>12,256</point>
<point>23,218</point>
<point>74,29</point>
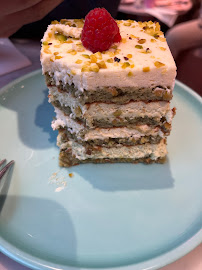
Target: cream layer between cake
<point>109,112</point>
<point>141,151</point>
<point>85,134</point>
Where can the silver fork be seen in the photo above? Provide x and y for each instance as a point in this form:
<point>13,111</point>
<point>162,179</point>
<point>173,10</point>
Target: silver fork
<point>5,168</point>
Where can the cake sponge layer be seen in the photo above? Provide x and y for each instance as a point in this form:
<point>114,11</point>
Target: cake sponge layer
<point>114,94</point>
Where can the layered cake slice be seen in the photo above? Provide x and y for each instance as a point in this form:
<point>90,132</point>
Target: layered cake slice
<point>111,105</point>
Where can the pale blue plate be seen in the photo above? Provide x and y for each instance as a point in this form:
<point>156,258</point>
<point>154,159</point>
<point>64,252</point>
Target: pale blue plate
<point>106,216</point>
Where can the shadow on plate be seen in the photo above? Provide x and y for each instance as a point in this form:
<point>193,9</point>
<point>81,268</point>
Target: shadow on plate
<point>120,177</point>
<point>44,116</point>
<point>29,99</point>
<point>37,227</point>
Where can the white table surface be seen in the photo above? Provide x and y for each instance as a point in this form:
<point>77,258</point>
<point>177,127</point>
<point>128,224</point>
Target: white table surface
<point>191,261</point>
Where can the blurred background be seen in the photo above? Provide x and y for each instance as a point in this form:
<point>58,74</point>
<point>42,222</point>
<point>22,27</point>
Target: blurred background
<point>181,21</point>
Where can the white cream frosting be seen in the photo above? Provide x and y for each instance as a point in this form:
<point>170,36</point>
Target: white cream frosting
<point>123,132</point>
<point>67,71</point>
<point>131,110</point>
<point>65,121</point>
<point>154,151</point>
<point>103,133</point>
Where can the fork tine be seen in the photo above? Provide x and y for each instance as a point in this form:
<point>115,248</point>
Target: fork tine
<point>2,162</point>
<point>4,170</point>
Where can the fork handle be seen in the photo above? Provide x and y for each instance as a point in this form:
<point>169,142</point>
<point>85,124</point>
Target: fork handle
<point>4,170</point>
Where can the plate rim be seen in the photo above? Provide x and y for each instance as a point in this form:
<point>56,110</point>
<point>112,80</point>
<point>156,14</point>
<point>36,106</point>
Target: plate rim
<point>159,261</point>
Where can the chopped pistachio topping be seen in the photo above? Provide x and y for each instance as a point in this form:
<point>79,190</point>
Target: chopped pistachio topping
<point>60,37</point>
<point>162,39</point>
<point>130,74</point>
<point>153,40</point>
<point>149,31</point>
<point>117,51</point>
<point>142,41</point>
<point>167,125</point>
<point>69,41</point>
<point>162,48</point>
<point>129,55</point>
<point>55,22</point>
<point>156,36</point>
<point>56,53</point>
<point>101,64</point>
<point>56,46</point>
<point>123,40</point>
<point>87,63</point>
<point>98,55</point>
<point>132,36</point>
<point>146,69</point>
<point>85,68</point>
<point>65,21</point>
<point>58,57</point>
<point>125,65</point>
<point>72,52</point>
<point>138,47</point>
<point>80,24</point>
<point>93,58</point>
<point>78,61</point>
<point>94,68</point>
<point>45,43</point>
<point>157,27</point>
<point>111,54</point>
<point>110,60</point>
<point>86,56</point>
<point>49,35</point>
<point>127,24</point>
<point>158,64</point>
<point>132,66</point>
<point>80,47</point>
<point>73,72</point>
<point>117,113</point>
<point>114,47</point>
<point>47,51</point>
<point>78,111</point>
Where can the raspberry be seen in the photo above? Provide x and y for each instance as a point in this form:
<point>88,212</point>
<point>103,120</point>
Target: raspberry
<point>100,30</point>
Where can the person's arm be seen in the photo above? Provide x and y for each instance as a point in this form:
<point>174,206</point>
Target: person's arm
<point>16,13</point>
<point>184,36</point>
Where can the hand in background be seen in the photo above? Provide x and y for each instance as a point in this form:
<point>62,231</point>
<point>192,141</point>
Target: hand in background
<point>16,13</point>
